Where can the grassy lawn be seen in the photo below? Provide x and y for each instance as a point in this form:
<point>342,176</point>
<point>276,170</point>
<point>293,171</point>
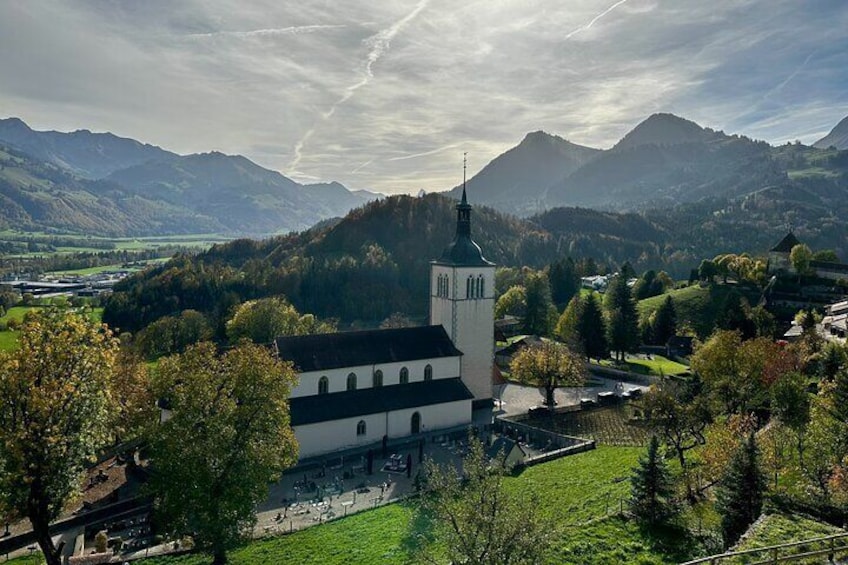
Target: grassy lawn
<point>9,339</point>
<point>698,306</point>
<point>779,528</point>
<point>657,365</point>
<point>581,493</point>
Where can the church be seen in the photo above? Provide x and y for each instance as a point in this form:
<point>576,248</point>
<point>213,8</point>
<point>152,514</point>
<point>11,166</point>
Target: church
<point>355,388</point>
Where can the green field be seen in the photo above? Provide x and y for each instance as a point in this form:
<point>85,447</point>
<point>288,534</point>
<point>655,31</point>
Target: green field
<point>9,338</point>
<point>696,305</point>
<point>581,493</point>
<point>657,365</point>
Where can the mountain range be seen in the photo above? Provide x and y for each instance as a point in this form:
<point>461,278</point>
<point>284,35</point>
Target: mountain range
<point>102,184</point>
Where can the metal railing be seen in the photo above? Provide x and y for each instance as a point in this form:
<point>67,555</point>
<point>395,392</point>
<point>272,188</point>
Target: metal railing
<point>829,546</point>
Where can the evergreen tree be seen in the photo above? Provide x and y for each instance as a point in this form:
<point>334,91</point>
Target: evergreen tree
<point>567,328</point>
<point>652,487</point>
<point>565,282</point>
<point>739,498</point>
<point>735,315</point>
<point>623,320</point>
<point>540,314</point>
<point>627,271</point>
<point>665,322</point>
<point>591,329</point>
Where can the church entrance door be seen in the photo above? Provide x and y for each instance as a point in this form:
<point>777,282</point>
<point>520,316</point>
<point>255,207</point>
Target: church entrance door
<point>416,423</point>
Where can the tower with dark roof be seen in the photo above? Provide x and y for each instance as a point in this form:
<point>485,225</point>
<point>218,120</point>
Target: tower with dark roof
<point>462,300</point>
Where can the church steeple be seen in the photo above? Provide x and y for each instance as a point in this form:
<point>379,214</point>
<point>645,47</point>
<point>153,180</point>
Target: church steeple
<point>463,250</point>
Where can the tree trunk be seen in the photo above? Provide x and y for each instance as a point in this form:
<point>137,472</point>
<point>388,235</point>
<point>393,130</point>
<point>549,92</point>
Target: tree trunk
<point>219,557</point>
<point>39,518</point>
<point>549,397</point>
<point>45,542</point>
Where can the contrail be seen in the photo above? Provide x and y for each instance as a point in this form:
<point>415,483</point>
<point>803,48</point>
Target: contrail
<point>432,152</point>
<point>292,30</point>
<point>379,44</point>
<point>595,19</point>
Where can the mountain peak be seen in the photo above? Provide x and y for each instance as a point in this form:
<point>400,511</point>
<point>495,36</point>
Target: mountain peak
<point>838,137</point>
<point>663,129</point>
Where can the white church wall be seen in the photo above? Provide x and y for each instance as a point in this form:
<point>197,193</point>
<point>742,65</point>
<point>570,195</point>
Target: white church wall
<point>443,368</point>
<point>468,321</point>
<point>326,437</point>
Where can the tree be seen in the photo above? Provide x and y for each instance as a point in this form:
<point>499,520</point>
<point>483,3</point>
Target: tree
<point>734,371</point>
<point>826,256</point>
<point>800,257</point>
<point>592,329</point>
<point>541,314</point>
<point>229,437</point>
<point>548,365</point>
<point>734,314</point>
<point>567,330</point>
<point>651,487</point>
<point>479,521</point>
<point>791,406</point>
<point>54,415</point>
<point>264,320</point>
<point>739,497</point>
<point>707,270</point>
<point>565,282</point>
<point>513,302</point>
<point>622,318</point>
<point>665,322</point>
<point>679,415</point>
<point>134,405</point>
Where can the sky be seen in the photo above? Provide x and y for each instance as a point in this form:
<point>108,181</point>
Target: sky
<point>387,95</point>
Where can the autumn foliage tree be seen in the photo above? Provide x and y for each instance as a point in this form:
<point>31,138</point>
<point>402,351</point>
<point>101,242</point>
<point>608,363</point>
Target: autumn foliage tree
<point>54,415</point>
<point>548,365</point>
<point>229,437</point>
<point>263,320</point>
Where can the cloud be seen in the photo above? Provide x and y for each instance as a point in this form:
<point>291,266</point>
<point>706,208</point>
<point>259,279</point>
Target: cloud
<point>388,95</point>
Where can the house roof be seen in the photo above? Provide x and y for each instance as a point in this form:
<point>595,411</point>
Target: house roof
<point>505,445</point>
<point>828,266</point>
<point>353,403</point>
<point>786,244</point>
<point>320,352</point>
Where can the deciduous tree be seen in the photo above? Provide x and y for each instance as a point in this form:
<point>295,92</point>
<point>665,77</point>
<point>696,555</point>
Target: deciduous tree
<point>548,365</point>
<point>54,415</point>
<point>229,437</point>
<point>477,520</point>
<point>263,320</point>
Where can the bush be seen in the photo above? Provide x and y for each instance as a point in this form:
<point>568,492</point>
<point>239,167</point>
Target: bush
<point>101,541</point>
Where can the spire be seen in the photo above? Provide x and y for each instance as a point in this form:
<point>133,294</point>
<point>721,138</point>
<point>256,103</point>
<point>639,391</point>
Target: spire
<point>462,250</point>
<point>464,167</point>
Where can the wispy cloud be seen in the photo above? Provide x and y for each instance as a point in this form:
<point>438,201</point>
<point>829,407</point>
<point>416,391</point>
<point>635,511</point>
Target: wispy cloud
<point>388,95</point>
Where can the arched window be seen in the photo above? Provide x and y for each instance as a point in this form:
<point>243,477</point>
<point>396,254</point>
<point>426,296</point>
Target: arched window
<point>415,423</point>
<point>468,289</point>
<point>479,286</point>
<point>378,378</point>
<point>360,428</point>
<point>428,373</point>
<point>404,375</point>
<point>323,385</point>
<point>351,381</point>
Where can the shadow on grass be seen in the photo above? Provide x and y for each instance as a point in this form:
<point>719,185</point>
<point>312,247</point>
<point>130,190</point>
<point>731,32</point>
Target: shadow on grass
<point>420,535</point>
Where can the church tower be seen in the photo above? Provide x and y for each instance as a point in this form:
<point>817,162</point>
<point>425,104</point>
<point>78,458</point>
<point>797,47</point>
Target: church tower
<point>462,300</point>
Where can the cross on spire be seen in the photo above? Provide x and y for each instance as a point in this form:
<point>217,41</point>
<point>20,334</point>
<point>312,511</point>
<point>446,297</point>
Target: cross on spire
<point>464,168</point>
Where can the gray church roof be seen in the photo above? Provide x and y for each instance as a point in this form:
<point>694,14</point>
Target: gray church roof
<point>786,244</point>
<point>463,251</point>
<point>321,352</point>
<point>352,403</point>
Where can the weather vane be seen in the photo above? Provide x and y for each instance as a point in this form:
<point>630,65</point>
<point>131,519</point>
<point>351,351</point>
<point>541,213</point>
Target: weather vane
<point>464,164</point>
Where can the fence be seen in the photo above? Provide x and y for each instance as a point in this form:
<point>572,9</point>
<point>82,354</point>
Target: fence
<point>828,546</point>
